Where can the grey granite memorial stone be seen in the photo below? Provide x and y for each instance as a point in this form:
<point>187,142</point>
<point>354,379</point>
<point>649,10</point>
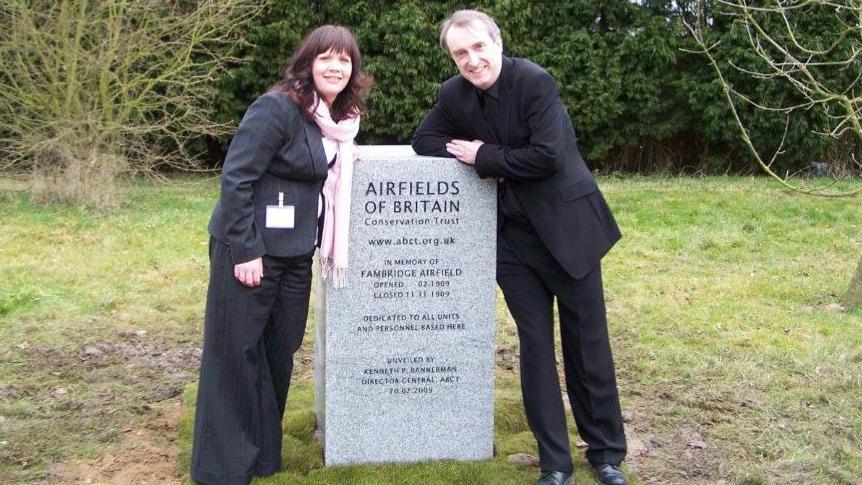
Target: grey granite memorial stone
<point>405,359</point>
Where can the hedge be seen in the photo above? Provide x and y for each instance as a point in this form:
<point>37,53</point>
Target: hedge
<point>638,100</point>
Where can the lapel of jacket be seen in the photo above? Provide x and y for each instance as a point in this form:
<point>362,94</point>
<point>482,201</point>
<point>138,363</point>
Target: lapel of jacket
<point>506,100</point>
<point>315,145</point>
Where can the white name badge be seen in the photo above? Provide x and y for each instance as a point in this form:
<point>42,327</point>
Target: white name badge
<point>279,216</point>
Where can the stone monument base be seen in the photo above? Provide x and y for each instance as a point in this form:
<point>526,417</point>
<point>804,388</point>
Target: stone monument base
<point>404,355</point>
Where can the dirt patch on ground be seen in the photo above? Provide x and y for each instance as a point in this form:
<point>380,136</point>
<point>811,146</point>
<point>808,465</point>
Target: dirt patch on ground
<point>658,453</point>
<point>128,394</point>
<point>157,369</point>
<point>679,453</point>
<point>120,395</point>
<point>148,454</point>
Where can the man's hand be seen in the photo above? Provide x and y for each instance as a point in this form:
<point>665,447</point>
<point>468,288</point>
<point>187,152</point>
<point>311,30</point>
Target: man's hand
<point>249,273</point>
<point>464,150</point>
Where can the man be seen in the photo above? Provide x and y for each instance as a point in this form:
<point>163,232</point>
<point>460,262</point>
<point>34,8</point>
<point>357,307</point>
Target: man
<point>504,116</point>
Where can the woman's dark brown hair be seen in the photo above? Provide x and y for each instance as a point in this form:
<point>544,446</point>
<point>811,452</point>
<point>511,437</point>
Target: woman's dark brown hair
<point>298,82</point>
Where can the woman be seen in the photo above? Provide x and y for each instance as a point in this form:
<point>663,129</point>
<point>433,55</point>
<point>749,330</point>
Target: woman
<point>263,233</point>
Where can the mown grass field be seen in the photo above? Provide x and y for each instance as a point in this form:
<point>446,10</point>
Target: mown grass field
<point>733,360</point>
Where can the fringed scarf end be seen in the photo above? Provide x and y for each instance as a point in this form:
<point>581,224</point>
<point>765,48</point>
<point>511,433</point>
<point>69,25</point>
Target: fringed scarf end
<point>330,272</point>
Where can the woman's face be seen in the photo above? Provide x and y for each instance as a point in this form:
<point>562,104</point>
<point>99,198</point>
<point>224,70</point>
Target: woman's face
<point>331,72</point>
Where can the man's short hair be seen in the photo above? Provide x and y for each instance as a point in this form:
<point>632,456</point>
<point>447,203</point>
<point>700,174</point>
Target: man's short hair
<point>464,18</point>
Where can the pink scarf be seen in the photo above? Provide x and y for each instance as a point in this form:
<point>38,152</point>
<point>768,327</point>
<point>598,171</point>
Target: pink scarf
<point>338,142</point>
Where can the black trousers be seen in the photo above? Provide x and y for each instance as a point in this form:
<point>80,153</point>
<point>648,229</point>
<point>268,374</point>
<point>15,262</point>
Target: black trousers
<point>250,336</point>
<point>530,278</point>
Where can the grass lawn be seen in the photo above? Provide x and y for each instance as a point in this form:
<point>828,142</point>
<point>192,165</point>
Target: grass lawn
<point>733,360</point>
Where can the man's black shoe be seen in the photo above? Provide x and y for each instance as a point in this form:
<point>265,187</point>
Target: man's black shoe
<point>555,478</point>
<point>609,474</point>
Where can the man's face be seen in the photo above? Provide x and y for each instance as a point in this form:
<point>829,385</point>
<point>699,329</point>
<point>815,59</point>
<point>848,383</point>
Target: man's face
<point>478,56</point>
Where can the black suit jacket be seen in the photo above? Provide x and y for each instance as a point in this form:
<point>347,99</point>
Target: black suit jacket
<point>275,149</point>
<point>536,153</point>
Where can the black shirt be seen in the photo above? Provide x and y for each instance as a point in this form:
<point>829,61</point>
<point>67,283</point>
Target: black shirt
<point>507,201</point>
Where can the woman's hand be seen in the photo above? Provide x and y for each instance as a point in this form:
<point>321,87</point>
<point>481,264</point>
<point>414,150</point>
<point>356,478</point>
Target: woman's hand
<point>249,273</point>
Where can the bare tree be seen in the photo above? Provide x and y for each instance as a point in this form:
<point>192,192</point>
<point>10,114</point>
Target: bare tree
<point>91,90</point>
<point>825,72</point>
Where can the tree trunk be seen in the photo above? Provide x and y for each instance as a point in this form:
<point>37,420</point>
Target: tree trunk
<point>854,292</point>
